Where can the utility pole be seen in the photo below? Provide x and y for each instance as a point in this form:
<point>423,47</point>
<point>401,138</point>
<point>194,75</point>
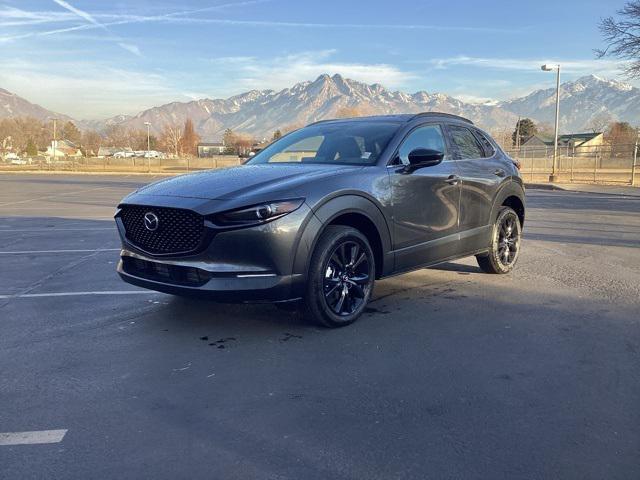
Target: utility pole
<point>549,68</point>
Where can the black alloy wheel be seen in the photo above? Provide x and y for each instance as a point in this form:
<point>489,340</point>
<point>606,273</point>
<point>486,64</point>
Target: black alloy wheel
<point>341,277</point>
<point>346,278</point>
<point>505,244</point>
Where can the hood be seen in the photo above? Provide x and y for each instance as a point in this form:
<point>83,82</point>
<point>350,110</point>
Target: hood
<point>230,183</point>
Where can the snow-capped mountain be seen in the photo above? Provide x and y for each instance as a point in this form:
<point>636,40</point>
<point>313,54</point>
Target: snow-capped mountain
<point>585,104</point>
<point>260,112</point>
<point>13,106</point>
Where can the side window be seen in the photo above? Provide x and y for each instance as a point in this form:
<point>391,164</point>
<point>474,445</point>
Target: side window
<point>465,142</point>
<point>429,136</point>
<point>489,149</point>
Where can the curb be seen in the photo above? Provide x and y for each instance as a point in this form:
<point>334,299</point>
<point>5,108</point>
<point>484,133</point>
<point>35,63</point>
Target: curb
<point>544,186</point>
<point>577,188</point>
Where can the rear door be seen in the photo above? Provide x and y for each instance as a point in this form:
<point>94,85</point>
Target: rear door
<point>425,201</point>
<point>482,174</point>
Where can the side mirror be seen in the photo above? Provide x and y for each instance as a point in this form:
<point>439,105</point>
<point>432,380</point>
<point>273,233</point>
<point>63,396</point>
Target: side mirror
<point>424,157</point>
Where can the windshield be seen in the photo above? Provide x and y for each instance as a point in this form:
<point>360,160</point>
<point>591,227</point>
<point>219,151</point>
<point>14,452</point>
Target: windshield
<point>344,143</point>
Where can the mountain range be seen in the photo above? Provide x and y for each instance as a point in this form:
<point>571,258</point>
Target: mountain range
<point>586,104</point>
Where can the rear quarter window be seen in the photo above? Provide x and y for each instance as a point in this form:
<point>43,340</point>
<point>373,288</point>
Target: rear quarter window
<point>487,146</point>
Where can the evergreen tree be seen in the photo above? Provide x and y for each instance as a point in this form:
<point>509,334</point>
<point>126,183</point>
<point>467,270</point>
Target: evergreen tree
<point>70,132</point>
<point>31,149</point>
<point>525,129</point>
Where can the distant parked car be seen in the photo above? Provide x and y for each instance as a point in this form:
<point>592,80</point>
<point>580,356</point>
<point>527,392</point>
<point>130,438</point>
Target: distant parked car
<point>124,155</point>
<point>152,154</point>
<point>19,161</point>
<point>9,157</point>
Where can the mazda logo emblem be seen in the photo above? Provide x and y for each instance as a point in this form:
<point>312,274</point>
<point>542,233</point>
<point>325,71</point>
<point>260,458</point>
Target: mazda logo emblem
<point>151,221</point>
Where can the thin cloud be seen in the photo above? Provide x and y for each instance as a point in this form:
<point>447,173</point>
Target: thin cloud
<point>186,16</point>
<point>19,17</point>
<point>89,18</point>
<point>568,65</point>
<point>101,91</point>
<point>78,12</point>
<point>286,70</point>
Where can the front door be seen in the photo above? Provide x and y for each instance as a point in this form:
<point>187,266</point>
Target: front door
<point>425,202</point>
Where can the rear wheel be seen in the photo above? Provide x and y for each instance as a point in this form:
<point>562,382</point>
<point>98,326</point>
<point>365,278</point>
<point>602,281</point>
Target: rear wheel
<point>505,244</point>
<point>341,277</point>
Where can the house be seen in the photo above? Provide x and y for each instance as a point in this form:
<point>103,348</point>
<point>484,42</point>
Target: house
<point>63,148</point>
<point>574,143</point>
<point>209,149</point>
<point>107,151</point>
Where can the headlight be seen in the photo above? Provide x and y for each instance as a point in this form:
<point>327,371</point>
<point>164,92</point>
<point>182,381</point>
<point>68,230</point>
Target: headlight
<point>256,214</point>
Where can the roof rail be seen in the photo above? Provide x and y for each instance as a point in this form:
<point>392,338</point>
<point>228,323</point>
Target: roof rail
<point>440,114</point>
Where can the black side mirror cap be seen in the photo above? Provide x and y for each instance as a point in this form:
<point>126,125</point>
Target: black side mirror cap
<point>424,157</point>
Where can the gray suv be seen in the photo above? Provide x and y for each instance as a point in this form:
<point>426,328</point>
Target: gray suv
<point>316,217</point>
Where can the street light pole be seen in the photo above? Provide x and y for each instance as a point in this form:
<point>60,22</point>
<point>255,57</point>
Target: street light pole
<point>635,159</point>
<point>550,68</point>
<point>55,142</point>
<point>148,144</point>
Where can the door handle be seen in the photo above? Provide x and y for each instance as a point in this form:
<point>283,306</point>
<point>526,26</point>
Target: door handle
<point>453,179</point>
<point>500,173</point>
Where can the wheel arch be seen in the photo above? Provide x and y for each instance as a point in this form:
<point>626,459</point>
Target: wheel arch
<point>510,195</point>
<point>354,211</point>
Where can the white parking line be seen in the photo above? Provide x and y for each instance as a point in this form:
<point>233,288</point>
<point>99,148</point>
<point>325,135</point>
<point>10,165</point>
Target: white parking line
<point>55,195</point>
<point>27,252</point>
<point>79,294</point>
<point>32,438</point>
<point>53,229</point>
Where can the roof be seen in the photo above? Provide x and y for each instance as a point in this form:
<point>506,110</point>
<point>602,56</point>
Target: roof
<point>399,118</point>
<point>578,137</point>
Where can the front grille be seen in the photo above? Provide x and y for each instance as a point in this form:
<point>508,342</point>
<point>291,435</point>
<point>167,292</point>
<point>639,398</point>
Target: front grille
<point>161,272</point>
<point>178,230</point>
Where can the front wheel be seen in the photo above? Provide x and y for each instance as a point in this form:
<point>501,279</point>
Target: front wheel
<point>341,277</point>
<point>505,244</point>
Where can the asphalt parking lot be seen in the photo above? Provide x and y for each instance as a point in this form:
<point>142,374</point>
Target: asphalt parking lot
<point>452,373</point>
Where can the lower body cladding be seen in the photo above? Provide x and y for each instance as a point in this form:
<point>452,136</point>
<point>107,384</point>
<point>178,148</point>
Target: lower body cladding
<point>264,263</point>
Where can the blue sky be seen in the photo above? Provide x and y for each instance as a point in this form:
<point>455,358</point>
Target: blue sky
<point>93,59</point>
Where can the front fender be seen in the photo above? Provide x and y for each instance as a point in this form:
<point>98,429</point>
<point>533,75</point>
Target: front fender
<point>329,210</point>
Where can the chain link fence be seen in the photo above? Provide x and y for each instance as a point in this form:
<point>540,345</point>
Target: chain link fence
<point>611,164</point>
<point>121,165</point>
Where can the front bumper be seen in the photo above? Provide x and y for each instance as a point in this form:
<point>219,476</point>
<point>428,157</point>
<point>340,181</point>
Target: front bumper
<point>222,288</point>
<point>255,264</point>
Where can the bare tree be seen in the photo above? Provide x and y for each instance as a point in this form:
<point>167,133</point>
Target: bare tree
<point>599,122</point>
<point>91,142</point>
<point>623,37</point>
<point>190,139</point>
<point>171,138</point>
<point>117,137</point>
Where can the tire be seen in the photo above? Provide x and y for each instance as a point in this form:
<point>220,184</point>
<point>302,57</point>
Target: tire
<point>505,244</point>
<point>341,277</point>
